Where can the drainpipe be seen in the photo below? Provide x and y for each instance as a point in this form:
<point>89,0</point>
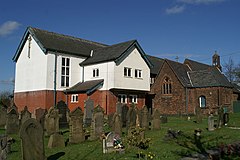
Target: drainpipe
<point>55,81</point>
<point>186,92</point>
<point>82,73</point>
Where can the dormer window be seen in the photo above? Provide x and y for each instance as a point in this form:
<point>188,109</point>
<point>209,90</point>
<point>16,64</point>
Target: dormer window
<point>96,72</point>
<point>167,86</point>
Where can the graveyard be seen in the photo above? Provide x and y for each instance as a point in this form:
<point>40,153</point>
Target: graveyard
<point>131,134</point>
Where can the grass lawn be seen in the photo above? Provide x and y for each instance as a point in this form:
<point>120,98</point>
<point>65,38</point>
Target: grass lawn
<point>163,149</point>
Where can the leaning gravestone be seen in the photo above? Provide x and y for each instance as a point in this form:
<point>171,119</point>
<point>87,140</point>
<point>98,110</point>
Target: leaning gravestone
<point>117,124</point>
<point>97,123</point>
<point>124,115</point>
<point>131,117</point>
<point>40,114</point>
<point>211,123</point>
<point>88,111</point>
<point>156,120</point>
<point>31,134</point>
<point>63,110</point>
<point>144,121</point>
<point>12,123</point>
<point>76,134</point>
<point>3,115</point>
<point>24,115</point>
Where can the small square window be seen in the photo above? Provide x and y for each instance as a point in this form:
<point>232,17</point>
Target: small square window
<point>96,72</point>
<point>127,72</point>
<point>74,98</point>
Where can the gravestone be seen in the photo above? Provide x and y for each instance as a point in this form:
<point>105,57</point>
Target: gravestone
<point>88,112</point>
<point>119,107</point>
<point>163,119</point>
<point>211,123</point>
<point>131,117</point>
<point>156,119</point>
<point>3,115</point>
<point>24,115</point>
<point>97,123</point>
<point>3,147</point>
<point>31,134</point>
<point>52,121</point>
<point>138,117</point>
<point>220,116</point>
<point>144,121</point>
<point>109,142</point>
<point>117,124</point>
<point>12,123</point>
<point>124,115</point>
<point>198,115</point>
<point>76,134</point>
<point>63,110</point>
<point>40,114</point>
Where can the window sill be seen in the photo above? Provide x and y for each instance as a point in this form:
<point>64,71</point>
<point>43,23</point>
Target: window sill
<point>127,77</point>
<point>74,102</point>
<point>139,78</point>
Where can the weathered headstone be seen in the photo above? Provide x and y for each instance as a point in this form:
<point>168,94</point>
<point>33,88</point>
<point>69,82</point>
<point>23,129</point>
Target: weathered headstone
<point>24,115</point>
<point>52,121</point>
<point>88,111</point>
<point>76,134</point>
<point>3,115</point>
<point>119,107</point>
<point>131,117</point>
<point>12,124</point>
<point>31,134</point>
<point>156,119</point>
<point>40,114</point>
<point>56,140</point>
<point>220,116</point>
<point>109,142</point>
<point>63,110</point>
<point>117,124</point>
<point>211,123</point>
<point>97,123</point>
<point>198,115</point>
<point>145,123</point>
<point>124,115</point>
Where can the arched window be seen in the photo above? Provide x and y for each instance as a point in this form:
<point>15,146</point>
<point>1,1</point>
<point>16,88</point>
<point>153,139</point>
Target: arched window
<point>167,86</point>
<point>202,101</point>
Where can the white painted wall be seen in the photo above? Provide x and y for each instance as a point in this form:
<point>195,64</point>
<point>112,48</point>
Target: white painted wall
<point>134,61</point>
<point>30,73</point>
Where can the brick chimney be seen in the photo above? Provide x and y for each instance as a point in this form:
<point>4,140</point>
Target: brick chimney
<point>216,61</point>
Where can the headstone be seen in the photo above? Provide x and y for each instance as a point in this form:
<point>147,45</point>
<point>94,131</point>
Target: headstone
<point>198,115</point>
<point>76,134</point>
<point>63,110</point>
<point>225,118</point>
<point>131,117</point>
<point>40,114</point>
<point>124,115</point>
<point>145,123</point>
<point>211,123</point>
<point>24,115</point>
<point>109,142</point>
<point>3,116</point>
<point>119,107</point>
<point>138,117</point>
<point>156,120</point>
<point>12,124</point>
<point>112,143</point>
<point>163,119</point>
<point>220,116</point>
<point>117,124</point>
<point>31,134</point>
<point>97,123</point>
<point>56,140</point>
<point>3,147</point>
<point>88,111</point>
<point>52,121</point>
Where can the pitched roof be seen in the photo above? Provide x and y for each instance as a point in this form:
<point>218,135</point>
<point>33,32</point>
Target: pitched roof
<point>116,53</point>
<point>50,41</point>
<point>157,64</point>
<point>85,87</point>
<point>195,66</point>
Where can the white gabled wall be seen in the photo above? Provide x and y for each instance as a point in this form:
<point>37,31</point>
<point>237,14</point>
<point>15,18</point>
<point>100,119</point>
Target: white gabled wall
<point>30,73</point>
<point>133,61</point>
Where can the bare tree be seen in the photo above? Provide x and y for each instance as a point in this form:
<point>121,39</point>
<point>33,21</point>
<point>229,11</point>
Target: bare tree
<point>5,98</point>
<point>229,70</point>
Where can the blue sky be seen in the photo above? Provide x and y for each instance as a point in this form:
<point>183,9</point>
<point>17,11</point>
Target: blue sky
<point>191,29</point>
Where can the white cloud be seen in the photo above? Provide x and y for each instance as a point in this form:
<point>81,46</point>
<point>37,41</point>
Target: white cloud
<point>175,9</point>
<point>8,27</point>
<point>200,1</point>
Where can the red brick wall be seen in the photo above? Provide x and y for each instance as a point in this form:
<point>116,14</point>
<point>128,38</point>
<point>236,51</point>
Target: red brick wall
<point>34,99</point>
<point>106,99</point>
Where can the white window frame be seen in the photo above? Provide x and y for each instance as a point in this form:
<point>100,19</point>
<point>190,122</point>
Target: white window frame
<point>65,72</point>
<point>133,99</point>
<point>95,72</point>
<point>127,72</point>
<point>74,98</point>
<point>123,98</point>
<point>138,73</point>
<point>201,98</point>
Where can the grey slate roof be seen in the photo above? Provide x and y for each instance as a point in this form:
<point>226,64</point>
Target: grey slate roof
<point>157,64</point>
<point>196,66</point>
<point>50,41</point>
<point>85,87</point>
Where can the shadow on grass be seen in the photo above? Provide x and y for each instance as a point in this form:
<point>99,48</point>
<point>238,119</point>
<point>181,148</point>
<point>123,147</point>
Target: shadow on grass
<point>56,156</point>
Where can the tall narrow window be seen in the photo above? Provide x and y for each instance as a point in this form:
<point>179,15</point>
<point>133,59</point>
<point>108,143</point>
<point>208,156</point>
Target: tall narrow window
<point>202,101</point>
<point>74,98</point>
<point>138,73</point>
<point>65,72</point>
<point>96,72</point>
<point>133,98</point>
<point>167,86</point>
<point>122,98</point>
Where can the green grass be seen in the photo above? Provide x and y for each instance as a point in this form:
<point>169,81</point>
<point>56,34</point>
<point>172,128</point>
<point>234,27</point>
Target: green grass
<point>162,149</point>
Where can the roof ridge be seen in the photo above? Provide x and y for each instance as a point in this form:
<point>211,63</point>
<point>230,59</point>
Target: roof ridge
<point>69,36</point>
